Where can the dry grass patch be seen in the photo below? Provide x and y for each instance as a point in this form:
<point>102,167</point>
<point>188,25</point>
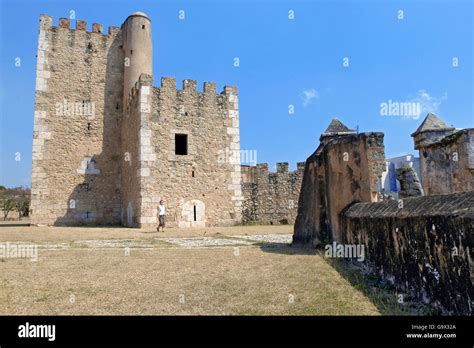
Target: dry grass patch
<point>272,279</point>
<point>61,234</point>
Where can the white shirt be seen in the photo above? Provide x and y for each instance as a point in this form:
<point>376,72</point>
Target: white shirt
<point>162,209</point>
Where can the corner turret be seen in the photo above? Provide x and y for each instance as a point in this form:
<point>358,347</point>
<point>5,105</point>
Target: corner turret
<point>431,130</point>
<point>137,50</point>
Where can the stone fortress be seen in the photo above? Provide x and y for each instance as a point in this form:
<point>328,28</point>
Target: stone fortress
<point>139,144</point>
<point>108,145</point>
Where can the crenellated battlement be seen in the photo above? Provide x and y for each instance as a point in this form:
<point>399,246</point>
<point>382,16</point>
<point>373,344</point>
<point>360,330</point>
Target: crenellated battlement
<point>260,173</point>
<point>190,86</point>
<point>144,80</point>
<point>46,23</point>
<point>281,168</point>
<point>271,197</point>
<point>188,101</point>
<point>227,99</point>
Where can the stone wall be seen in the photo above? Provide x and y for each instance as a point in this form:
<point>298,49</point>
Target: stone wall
<point>424,246</point>
<point>410,185</point>
<point>271,198</point>
<point>446,156</point>
<point>448,165</point>
<point>78,109</point>
<point>343,170</point>
<point>203,187</point>
<point>133,166</point>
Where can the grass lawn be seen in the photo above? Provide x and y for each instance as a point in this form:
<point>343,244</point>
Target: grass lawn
<point>223,271</point>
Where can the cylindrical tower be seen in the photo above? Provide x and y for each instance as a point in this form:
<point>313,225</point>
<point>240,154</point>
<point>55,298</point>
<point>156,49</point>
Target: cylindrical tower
<point>137,48</point>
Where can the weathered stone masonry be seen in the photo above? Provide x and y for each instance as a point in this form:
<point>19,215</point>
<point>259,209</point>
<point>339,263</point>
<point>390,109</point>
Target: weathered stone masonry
<point>271,198</point>
<point>424,248</point>
<point>113,165</point>
<point>201,190</point>
<point>346,168</point>
<point>422,245</point>
<point>446,156</point>
<point>77,68</point>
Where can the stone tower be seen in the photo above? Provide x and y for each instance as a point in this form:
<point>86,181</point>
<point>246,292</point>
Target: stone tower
<point>108,145</point>
<point>336,128</point>
<point>430,131</point>
<point>446,156</point>
<point>137,49</point>
<point>78,110</point>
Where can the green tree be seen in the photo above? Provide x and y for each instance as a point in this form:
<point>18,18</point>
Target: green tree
<point>7,206</point>
<point>17,199</point>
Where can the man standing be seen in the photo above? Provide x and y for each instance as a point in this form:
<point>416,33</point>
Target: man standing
<point>161,215</point>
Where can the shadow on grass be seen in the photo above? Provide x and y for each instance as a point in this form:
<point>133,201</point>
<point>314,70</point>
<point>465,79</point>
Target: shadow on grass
<point>151,232</point>
<point>383,296</point>
<point>84,226</point>
<point>285,249</point>
<point>15,224</point>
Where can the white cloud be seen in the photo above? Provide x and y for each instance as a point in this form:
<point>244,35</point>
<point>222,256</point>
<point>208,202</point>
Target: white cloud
<point>427,102</point>
<point>309,95</point>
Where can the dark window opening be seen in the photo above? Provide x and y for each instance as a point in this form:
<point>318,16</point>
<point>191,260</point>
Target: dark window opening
<point>192,173</point>
<point>195,213</point>
<point>131,51</point>
<point>88,126</point>
<point>181,144</point>
<point>143,26</point>
<point>116,106</point>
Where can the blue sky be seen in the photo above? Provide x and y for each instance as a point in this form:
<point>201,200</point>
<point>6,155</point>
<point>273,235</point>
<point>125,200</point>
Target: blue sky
<point>283,62</point>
